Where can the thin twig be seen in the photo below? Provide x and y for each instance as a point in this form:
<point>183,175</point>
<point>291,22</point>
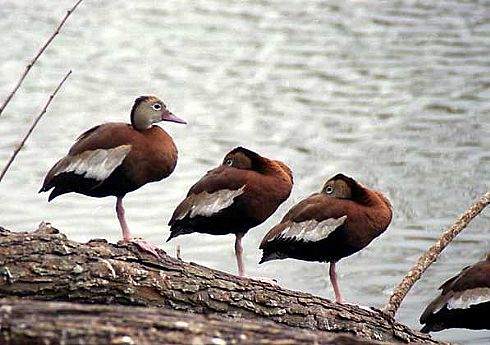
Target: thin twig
<point>31,129</point>
<point>431,255</point>
<point>177,252</point>
<point>39,53</point>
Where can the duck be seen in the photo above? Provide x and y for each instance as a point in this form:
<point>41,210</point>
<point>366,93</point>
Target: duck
<point>340,220</point>
<point>115,158</point>
<point>238,195</point>
<point>464,301</point>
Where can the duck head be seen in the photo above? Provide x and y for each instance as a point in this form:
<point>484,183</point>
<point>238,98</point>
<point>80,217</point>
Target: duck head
<point>342,187</point>
<point>242,158</point>
<point>148,110</point>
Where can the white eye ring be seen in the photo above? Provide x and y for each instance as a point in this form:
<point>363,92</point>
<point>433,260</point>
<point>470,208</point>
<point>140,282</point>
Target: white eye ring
<point>229,162</point>
<point>329,190</point>
<point>157,106</point>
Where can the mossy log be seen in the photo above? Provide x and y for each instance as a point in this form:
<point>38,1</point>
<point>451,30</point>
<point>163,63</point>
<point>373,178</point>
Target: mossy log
<point>45,265</point>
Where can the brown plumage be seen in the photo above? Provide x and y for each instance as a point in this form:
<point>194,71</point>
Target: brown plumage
<point>231,199</point>
<point>464,301</point>
<point>117,158</point>
<point>327,226</point>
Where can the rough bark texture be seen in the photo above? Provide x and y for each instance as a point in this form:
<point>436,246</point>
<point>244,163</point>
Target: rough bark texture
<point>44,265</point>
<point>47,323</point>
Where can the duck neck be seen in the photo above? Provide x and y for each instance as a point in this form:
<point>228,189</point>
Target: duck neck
<point>373,198</point>
<point>283,169</point>
<point>140,123</point>
<point>362,196</point>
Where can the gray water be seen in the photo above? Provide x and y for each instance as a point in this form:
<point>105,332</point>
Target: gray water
<point>393,93</point>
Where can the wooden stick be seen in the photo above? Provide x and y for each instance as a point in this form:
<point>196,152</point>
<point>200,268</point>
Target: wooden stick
<point>431,255</point>
<point>31,129</point>
<point>39,53</point>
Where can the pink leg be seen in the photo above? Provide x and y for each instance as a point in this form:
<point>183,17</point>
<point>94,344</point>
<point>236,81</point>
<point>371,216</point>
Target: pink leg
<point>143,244</point>
<point>241,265</point>
<point>335,284</point>
<point>122,220</point>
<point>239,254</point>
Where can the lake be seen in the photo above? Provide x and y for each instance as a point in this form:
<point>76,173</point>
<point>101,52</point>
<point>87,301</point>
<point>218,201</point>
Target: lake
<point>393,93</point>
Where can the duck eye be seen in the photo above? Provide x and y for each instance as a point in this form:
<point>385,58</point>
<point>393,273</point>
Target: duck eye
<point>229,162</point>
<point>157,106</point>
<point>329,190</point>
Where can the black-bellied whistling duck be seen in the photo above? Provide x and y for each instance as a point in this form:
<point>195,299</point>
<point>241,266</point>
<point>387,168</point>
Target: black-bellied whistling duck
<point>464,301</point>
<point>116,158</point>
<point>340,220</point>
<point>231,199</point>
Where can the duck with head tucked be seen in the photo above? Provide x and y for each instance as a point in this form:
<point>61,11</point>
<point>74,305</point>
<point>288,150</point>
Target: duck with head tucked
<point>240,194</point>
<point>117,158</point>
<point>464,301</point>
<point>340,220</point>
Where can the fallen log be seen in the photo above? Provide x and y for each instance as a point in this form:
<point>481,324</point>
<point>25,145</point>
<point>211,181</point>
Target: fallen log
<point>45,265</point>
<point>40,322</point>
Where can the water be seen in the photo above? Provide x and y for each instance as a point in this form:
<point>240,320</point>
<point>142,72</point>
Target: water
<point>394,93</point>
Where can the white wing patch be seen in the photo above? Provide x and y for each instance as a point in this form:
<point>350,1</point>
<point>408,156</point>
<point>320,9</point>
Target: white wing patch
<point>465,299</point>
<point>96,164</point>
<point>206,204</point>
<point>311,230</point>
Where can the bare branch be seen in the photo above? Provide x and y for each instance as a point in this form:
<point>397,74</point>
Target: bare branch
<point>34,124</point>
<point>431,255</point>
<point>39,53</point>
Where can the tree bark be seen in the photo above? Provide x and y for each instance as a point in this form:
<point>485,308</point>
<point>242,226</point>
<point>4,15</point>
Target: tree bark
<point>45,265</point>
<point>40,322</point>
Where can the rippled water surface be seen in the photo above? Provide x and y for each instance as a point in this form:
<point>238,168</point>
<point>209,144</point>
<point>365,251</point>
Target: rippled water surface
<point>394,93</point>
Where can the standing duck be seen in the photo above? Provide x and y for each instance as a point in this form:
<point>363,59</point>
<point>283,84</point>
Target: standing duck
<point>464,301</point>
<point>340,220</point>
<point>116,158</point>
<point>231,199</point>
